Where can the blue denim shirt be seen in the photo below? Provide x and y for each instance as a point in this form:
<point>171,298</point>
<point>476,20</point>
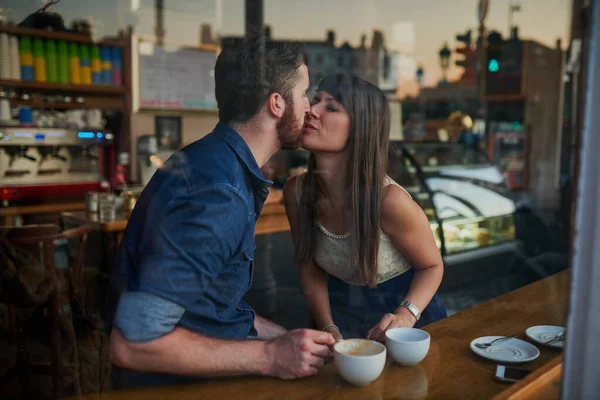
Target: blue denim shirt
<point>186,258</point>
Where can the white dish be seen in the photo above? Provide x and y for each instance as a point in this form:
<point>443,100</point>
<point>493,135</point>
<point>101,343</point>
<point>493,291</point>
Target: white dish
<point>544,333</point>
<point>511,351</point>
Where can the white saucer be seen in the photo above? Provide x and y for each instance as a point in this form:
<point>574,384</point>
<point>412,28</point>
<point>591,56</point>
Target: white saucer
<point>510,351</point>
<point>544,333</point>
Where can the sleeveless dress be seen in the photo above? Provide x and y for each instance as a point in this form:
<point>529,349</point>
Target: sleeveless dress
<point>356,308</point>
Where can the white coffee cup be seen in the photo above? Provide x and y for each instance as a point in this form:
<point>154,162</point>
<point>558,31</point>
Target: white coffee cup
<point>359,361</point>
<point>407,346</point>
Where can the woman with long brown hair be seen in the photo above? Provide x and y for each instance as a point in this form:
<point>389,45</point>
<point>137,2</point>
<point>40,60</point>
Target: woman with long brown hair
<point>367,258</point>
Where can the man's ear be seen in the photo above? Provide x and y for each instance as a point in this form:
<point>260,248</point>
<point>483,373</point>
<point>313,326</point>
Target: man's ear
<point>276,105</point>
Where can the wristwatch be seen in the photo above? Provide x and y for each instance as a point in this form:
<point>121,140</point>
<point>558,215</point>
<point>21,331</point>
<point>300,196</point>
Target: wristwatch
<point>414,310</point>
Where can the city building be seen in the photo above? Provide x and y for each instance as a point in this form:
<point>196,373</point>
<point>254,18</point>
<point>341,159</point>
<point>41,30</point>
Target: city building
<point>375,63</point>
<point>522,111</point>
<point>523,87</point>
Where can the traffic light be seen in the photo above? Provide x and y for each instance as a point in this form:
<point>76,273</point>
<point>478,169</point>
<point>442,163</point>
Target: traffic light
<point>466,50</point>
<point>504,72</point>
<point>466,61</point>
<point>495,47</point>
<point>465,38</point>
<point>493,65</point>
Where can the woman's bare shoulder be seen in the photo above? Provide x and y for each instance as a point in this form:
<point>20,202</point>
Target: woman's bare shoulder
<point>397,206</point>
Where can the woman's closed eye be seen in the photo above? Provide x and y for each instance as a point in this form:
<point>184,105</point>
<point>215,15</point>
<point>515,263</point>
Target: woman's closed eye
<point>329,105</point>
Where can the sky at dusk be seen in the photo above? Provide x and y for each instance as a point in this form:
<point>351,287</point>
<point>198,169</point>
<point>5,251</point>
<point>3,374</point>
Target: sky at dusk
<point>415,28</point>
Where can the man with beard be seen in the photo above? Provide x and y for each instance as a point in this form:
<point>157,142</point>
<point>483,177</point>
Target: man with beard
<point>186,258</point>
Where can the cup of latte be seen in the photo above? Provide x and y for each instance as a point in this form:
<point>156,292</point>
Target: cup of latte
<point>359,361</point>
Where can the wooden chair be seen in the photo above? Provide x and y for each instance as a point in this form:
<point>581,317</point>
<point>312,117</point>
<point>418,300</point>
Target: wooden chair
<point>48,290</point>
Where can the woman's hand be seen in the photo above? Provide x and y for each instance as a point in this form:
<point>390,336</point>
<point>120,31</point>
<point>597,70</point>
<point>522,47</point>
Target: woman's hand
<point>403,318</point>
<point>335,332</point>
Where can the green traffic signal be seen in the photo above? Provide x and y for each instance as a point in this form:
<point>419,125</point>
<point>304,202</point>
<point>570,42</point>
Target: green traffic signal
<point>493,65</point>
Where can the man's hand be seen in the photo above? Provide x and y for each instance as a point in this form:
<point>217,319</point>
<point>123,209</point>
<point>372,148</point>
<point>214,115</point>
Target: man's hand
<point>298,353</point>
<point>403,318</point>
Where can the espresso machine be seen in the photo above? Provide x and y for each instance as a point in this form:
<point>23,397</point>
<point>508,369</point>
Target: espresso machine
<point>40,163</point>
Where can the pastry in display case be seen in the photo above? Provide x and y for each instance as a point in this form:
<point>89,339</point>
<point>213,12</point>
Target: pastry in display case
<point>463,194</point>
<point>473,233</point>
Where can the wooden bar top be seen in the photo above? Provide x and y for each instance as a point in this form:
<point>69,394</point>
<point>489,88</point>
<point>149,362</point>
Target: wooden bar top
<point>450,370</point>
<point>272,218</point>
<point>44,208</point>
<point>544,383</point>
<point>10,216</point>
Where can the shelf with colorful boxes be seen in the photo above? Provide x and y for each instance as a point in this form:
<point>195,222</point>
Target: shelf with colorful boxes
<point>39,59</point>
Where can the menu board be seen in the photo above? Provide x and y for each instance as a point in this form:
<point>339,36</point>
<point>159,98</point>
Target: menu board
<point>175,77</point>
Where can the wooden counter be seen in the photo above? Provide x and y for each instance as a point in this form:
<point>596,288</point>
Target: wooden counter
<point>450,370</point>
<point>544,383</point>
<point>272,218</point>
<point>8,214</point>
<point>116,226</point>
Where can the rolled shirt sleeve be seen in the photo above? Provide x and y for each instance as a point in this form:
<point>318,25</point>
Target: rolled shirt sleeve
<point>187,247</point>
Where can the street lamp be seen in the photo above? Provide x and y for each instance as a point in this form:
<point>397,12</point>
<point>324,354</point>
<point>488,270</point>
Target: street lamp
<point>445,54</point>
<point>420,74</point>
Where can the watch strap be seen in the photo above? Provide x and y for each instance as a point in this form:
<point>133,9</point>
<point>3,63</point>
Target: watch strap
<point>412,308</point>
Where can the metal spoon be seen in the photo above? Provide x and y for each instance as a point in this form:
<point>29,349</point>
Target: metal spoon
<point>557,338</point>
<point>486,345</point>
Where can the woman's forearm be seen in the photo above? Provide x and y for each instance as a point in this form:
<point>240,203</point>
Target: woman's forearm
<point>314,288</point>
<point>425,283</point>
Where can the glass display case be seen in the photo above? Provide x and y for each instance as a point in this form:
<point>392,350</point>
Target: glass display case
<point>462,193</point>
